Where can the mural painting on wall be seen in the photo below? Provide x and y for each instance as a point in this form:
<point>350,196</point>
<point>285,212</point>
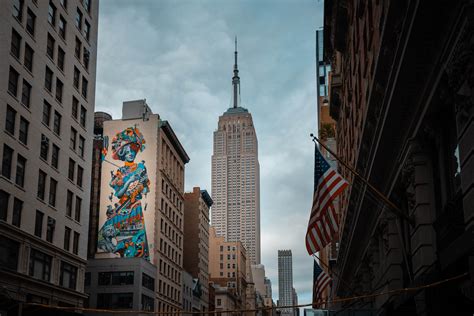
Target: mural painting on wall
<point>123,232</point>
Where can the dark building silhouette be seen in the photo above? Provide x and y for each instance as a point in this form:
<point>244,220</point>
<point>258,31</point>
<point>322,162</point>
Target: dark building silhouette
<point>401,93</point>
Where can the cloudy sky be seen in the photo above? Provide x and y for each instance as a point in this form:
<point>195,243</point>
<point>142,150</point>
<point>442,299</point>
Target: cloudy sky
<point>179,56</point>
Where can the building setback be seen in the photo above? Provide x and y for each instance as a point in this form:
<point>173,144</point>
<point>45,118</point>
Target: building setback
<point>285,281</point>
<point>236,176</point>
<point>401,93</point>
<point>151,223</point>
<point>47,95</point>
<point>196,240</point>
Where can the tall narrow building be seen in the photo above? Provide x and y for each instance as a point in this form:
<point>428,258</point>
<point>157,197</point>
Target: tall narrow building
<point>236,176</point>
<point>47,95</point>
<point>285,281</point>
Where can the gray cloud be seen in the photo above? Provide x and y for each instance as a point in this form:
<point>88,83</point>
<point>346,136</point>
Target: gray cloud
<point>179,56</point>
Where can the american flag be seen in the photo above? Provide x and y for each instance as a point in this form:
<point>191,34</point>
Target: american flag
<point>323,223</point>
<point>321,280</point>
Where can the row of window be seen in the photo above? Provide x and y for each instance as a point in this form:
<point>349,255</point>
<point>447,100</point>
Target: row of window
<point>123,301</point>
<point>7,162</point>
<point>120,278</point>
<point>40,263</point>
<point>13,87</point>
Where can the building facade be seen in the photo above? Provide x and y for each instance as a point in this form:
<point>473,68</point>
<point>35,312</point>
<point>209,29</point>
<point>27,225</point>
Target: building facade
<point>196,240</point>
<point>148,184</point>
<point>236,177</point>
<point>129,285</point>
<point>285,281</point>
<point>228,267</point>
<point>48,66</point>
<point>401,93</point>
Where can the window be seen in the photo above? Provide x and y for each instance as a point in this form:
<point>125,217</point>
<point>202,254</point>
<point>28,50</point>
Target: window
<point>39,223</point>
<point>46,113</point>
<point>75,243</point>
<point>115,300</point>
<point>87,5</point>
<point>87,30</point>
<point>16,44</point>
<point>82,142</point>
<point>87,279</point>
<point>7,161</point>
<point>30,22</point>
<point>18,9</point>
<point>13,82</point>
<point>57,123</point>
<point>72,165</point>
<point>219,302</point>
<point>50,227</point>
<point>63,3</point>
<point>75,106</point>
<point>86,57</point>
<point>48,79</point>
<point>72,142</point>
<point>59,90</point>
<point>53,185</point>
<point>28,60</point>
<point>41,184</point>
<point>10,120</point>
<point>67,238</point>
<point>26,94</point>
<point>52,14</point>
<point>80,174</point>
<point>77,215</point>
<point>148,282</point>
<point>77,49</point>
<point>55,156</point>
<point>69,198</point>
<point>4,198</point>
<point>20,170</point>
<point>44,150</point>
<point>116,278</point>
<point>24,125</point>
<point>76,78</point>
<point>40,265</point>
<point>83,116</point>
<point>148,303</point>
<point>78,19</point>
<point>84,87</point>
<point>50,46</point>
<point>68,275</point>
<point>17,208</point>
<point>61,57</point>
<point>62,27</point>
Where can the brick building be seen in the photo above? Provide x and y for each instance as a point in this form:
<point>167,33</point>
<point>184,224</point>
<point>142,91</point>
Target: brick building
<point>401,94</point>
<point>196,241</point>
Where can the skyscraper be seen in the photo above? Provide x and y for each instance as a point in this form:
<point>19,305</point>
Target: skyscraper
<point>236,176</point>
<point>285,281</point>
<point>47,95</point>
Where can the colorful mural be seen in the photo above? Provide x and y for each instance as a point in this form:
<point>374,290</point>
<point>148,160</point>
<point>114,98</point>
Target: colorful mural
<point>124,231</point>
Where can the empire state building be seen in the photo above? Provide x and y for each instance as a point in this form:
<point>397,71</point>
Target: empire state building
<point>236,176</point>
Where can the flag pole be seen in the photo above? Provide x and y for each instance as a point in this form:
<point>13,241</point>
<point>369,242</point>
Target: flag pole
<point>395,209</point>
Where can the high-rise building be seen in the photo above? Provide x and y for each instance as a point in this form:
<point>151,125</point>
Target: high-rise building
<point>285,281</point>
<point>141,205</point>
<point>236,176</point>
<point>196,241</point>
<point>47,96</point>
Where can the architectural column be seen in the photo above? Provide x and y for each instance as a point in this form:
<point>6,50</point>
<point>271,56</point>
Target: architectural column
<point>422,208</point>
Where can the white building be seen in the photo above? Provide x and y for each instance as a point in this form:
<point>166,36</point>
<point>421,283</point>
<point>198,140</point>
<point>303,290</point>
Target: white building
<point>236,177</point>
<point>47,95</point>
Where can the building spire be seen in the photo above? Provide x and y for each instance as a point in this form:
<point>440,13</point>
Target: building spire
<point>236,79</point>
